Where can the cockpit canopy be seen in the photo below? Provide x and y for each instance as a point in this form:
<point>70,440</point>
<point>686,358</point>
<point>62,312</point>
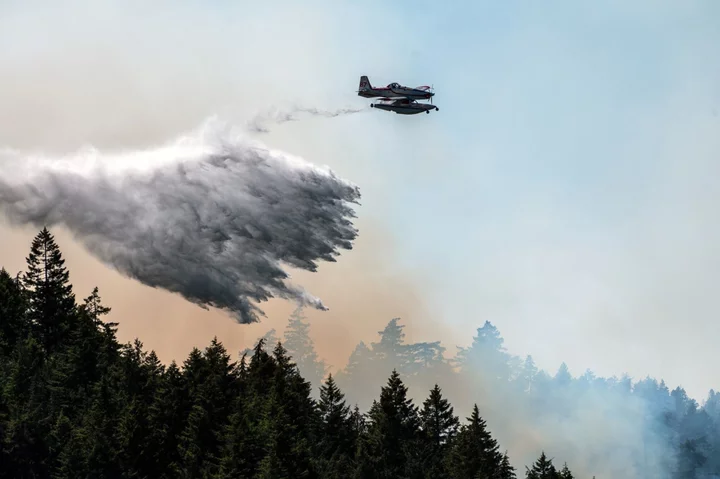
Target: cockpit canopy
<point>394,85</point>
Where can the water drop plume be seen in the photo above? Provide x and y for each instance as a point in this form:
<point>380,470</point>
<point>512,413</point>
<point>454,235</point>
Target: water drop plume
<point>213,215</point>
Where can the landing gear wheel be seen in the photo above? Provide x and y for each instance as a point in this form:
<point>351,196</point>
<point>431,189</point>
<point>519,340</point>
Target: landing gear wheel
<point>427,111</point>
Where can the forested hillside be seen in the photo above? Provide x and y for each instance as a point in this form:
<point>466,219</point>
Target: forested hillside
<point>76,403</point>
<point>607,427</point>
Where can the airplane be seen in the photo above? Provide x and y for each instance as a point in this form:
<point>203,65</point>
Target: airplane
<point>403,106</point>
<point>393,90</point>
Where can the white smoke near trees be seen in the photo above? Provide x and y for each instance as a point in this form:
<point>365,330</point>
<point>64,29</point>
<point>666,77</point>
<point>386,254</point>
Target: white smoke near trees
<point>213,216</point>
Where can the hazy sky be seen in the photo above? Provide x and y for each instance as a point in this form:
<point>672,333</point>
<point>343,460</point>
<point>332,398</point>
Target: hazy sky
<point>565,190</point>
<point>573,205</point>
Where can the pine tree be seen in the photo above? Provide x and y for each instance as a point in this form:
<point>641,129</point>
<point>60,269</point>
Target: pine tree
<point>14,325</point>
<point>78,365</point>
<point>507,471</point>
<point>260,372</point>
<point>163,419</point>
<point>357,420</point>
<point>426,365</point>
<point>51,299</point>
<point>94,308</point>
<point>248,434</point>
<point>292,415</point>
<point>245,437</point>
<point>165,415</point>
<point>336,447</point>
<point>268,340</point>
<point>28,420</point>
<point>563,378</point>
<point>487,353</point>
<point>439,426</point>
<point>301,349</point>
<point>691,457</point>
<point>438,421</point>
<point>527,374</point>
<point>474,451</point>
<point>70,459</point>
<point>543,468</point>
<point>565,473</point>
<point>191,446</point>
<point>391,351</point>
<point>96,436</point>
<point>210,388</point>
<point>393,432</point>
<point>360,370</point>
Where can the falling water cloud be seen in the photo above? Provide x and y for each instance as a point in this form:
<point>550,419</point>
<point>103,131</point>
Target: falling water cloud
<point>212,216</point>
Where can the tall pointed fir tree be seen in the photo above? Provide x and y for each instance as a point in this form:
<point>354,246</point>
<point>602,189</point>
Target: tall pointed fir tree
<point>390,445</point>
<point>391,352</point>
<point>248,434</point>
<point>301,349</point>
<point>50,294</point>
<point>360,370</point>
<point>439,426</point>
<point>93,307</point>
<point>563,378</point>
<point>487,353</point>
<point>475,452</point>
<point>543,468</point>
<point>527,374</point>
<point>293,416</point>
<point>210,378</point>
<point>507,471</point>
<point>267,342</point>
<point>337,439</point>
<point>85,338</point>
<point>565,472</point>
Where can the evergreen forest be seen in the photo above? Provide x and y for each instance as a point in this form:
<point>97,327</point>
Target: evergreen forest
<point>77,403</point>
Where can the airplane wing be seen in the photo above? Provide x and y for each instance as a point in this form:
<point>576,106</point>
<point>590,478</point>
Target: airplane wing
<point>423,88</point>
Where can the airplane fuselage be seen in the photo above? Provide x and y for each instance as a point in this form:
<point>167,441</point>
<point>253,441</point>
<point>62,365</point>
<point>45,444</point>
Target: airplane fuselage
<point>393,90</point>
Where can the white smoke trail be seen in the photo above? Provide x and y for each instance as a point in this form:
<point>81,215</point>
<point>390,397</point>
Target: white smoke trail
<point>210,216</point>
<point>277,115</point>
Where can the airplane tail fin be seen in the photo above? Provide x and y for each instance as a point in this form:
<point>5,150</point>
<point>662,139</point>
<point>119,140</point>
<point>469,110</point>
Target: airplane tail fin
<point>364,83</point>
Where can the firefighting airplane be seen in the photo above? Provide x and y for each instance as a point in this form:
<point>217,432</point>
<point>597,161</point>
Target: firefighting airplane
<point>398,98</point>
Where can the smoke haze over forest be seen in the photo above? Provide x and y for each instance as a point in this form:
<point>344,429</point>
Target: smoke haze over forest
<point>614,427</point>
